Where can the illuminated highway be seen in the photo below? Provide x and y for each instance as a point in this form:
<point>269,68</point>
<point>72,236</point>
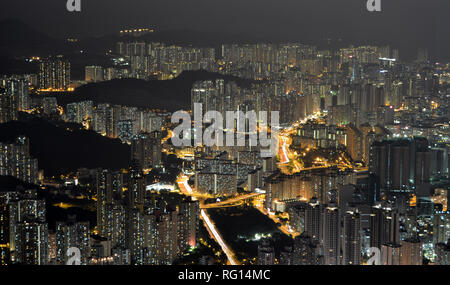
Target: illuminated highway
<point>184,186</point>
<point>211,227</point>
<point>170,134</point>
<point>284,228</point>
<point>289,163</point>
<point>285,154</point>
<point>289,160</point>
<point>240,198</point>
<point>186,189</point>
<point>283,151</point>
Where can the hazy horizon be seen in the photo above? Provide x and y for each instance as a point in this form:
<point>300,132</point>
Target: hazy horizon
<point>402,23</point>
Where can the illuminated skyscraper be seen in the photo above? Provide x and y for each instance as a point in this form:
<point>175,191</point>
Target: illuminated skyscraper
<point>306,251</point>
<point>189,212</point>
<point>352,238</point>
<point>54,73</point>
<point>441,227</point>
<point>114,229</point>
<point>136,190</point>
<point>8,106</point>
<point>313,220</point>
<point>94,73</point>
<point>4,231</point>
<point>411,252</point>
<point>32,242</point>
<point>15,160</point>
<point>50,105</point>
<point>400,165</point>
<point>390,254</point>
<point>16,88</point>
<point>146,149</point>
<point>135,235</point>
<point>125,130</point>
<point>442,253</point>
<point>331,229</point>
<point>72,234</point>
<point>28,230</point>
<point>104,197</point>
<point>266,253</point>
<point>384,226</point>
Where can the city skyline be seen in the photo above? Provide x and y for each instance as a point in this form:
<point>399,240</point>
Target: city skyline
<point>298,142</point>
<point>418,24</point>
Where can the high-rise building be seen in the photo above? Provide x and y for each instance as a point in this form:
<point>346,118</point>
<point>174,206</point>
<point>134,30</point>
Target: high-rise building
<point>28,230</point>
<point>266,253</point>
<point>306,251</point>
<point>8,106</point>
<point>354,142</point>
<point>146,149</point>
<point>352,235</point>
<point>49,105</point>
<point>114,229</point>
<point>442,253</point>
<point>103,120</point>
<point>54,74</point>
<point>15,160</point>
<point>411,252</point>
<point>384,226</point>
<point>17,95</point>
<point>400,165</point>
<point>4,231</point>
<point>286,256</point>
<point>80,112</point>
<point>72,234</point>
<point>94,73</point>
<point>441,227</point>
<point>136,190</point>
<point>104,197</point>
<point>32,242</point>
<point>101,251</point>
<point>331,235</point>
<point>189,218</point>
<point>135,235</point>
<point>125,130</point>
<point>390,254</point>
<point>313,226</point>
<point>24,100</point>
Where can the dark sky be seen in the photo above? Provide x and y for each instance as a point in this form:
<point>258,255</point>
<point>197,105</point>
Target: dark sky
<point>415,23</point>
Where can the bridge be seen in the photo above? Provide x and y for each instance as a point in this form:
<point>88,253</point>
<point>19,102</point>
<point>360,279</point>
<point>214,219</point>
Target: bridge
<point>239,200</point>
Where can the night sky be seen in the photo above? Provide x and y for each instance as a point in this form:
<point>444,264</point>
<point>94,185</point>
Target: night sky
<point>403,23</point>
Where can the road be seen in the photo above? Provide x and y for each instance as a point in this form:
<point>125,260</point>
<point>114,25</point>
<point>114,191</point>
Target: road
<point>285,229</point>
<point>283,151</point>
<point>170,134</point>
<point>186,189</point>
<point>285,154</point>
<point>290,158</point>
<point>212,229</point>
<point>230,201</point>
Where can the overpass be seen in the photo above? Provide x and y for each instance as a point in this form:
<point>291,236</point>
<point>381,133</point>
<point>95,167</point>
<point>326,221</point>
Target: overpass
<point>232,201</point>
